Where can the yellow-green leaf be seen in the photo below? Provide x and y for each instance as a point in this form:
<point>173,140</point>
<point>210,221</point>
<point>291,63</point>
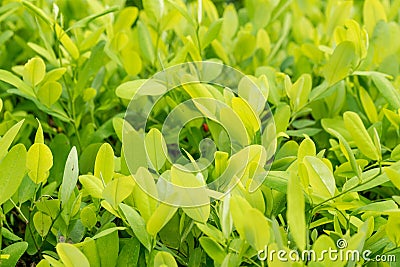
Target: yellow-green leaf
<point>34,71</point>
<point>71,256</point>
<point>296,211</point>
<point>70,177</point>
<point>42,223</point>
<point>49,93</point>
<point>255,231</point>
<point>8,138</point>
<point>104,164</point>
<point>372,13</point>
<point>247,115</point>
<point>118,189</point>
<point>394,176</point>
<point>39,161</point>
<point>164,259</point>
<point>126,18</point>
<point>156,148</point>
<point>137,224</point>
<point>340,63</point>
<point>92,184</point>
<point>88,217</point>
<point>39,138</point>
<point>368,105</point>
<point>12,171</point>
<point>393,228</point>
<point>355,126</point>
<point>160,218</point>
<point>144,193</point>
<point>66,42</point>
<point>320,177</point>
<point>154,9</point>
<point>145,43</point>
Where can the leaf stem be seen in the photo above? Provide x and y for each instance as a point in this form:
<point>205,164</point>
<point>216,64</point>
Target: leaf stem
<point>19,211</point>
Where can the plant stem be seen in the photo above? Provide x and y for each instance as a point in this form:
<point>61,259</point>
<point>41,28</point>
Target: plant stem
<point>19,211</point>
<point>340,194</point>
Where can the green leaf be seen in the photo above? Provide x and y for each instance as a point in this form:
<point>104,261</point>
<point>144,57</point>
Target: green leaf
<point>90,250</point>
<point>66,41</point>
<point>160,218</point>
<point>9,235</point>
<point>107,243</point>
<point>118,189</point>
<point>144,193</point>
<point>340,63</point>
<point>394,176</point>
<point>104,164</point>
<point>212,33</point>
<point>70,177</point>
<point>39,161</point>
<point>393,117</point>
<point>348,153</point>
<point>386,88</point>
<point>351,31</point>
<point>135,158</point>
<point>8,138</point>
<point>15,251</point>
<point>129,254</point>
<point>395,155</point>
<point>156,148</point>
<point>93,185</point>
<point>360,135</point>
<point>306,148</point>
<point>393,228</point>
<point>246,115</point>
<point>154,9</point>
<point>368,105</point>
<point>320,177</point>
<point>71,256</point>
<point>34,71</point>
<point>88,217</point>
<point>145,42</point>
<point>255,231</point>
<point>50,207</point>
<point>54,75</point>
<point>373,12</point>
<point>296,211</point>
<point>108,232</point>
<point>131,61</point>
<point>39,138</point>
<point>12,171</point>
<point>164,259</point>
<point>300,91</point>
<point>42,223</point>
<point>10,78</point>
<point>189,180</point>
<point>221,163</point>
<point>126,18</point>
<point>49,93</point>
<point>138,225</point>
<point>321,244</point>
<point>211,231</point>
<point>213,249</point>
<point>230,22</point>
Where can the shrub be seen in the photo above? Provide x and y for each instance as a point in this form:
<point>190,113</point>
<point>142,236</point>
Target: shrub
<point>308,133</point>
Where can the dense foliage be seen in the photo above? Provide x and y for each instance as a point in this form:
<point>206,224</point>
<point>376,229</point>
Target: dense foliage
<point>329,71</point>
